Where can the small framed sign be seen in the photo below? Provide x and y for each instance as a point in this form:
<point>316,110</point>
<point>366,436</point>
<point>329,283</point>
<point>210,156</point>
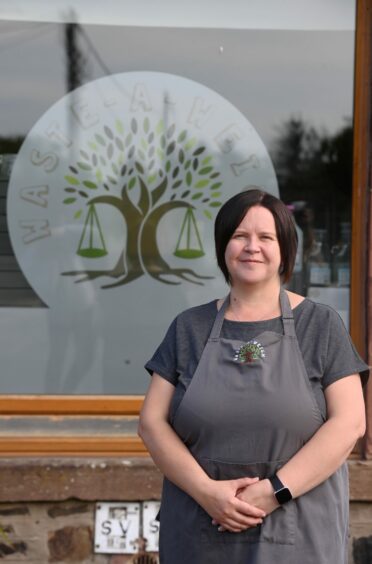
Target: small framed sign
<point>117,528</point>
<point>151,525</point>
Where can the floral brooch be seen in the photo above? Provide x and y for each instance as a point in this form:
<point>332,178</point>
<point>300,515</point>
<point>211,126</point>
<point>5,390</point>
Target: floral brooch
<point>249,352</point>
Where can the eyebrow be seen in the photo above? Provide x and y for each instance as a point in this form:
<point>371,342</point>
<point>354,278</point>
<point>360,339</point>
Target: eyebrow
<point>238,231</point>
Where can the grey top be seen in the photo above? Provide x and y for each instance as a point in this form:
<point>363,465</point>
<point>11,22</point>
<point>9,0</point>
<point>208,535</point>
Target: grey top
<point>325,344</point>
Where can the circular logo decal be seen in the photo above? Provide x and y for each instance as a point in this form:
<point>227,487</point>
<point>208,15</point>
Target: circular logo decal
<point>121,180</point>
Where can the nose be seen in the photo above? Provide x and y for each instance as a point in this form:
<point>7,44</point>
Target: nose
<point>251,245</point>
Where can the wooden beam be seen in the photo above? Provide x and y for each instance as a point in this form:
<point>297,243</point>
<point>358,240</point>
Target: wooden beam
<point>70,446</point>
<point>70,405</point>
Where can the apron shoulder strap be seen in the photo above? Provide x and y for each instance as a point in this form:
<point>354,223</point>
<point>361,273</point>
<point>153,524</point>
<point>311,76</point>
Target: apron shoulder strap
<point>287,314</point>
<point>217,325</point>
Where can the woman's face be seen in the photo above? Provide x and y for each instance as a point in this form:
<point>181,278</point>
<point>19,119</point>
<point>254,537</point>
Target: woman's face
<point>252,255</point>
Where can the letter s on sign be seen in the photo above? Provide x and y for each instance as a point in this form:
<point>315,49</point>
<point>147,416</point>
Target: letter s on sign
<point>106,527</point>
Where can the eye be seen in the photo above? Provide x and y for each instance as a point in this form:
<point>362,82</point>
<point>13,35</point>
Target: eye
<point>238,236</point>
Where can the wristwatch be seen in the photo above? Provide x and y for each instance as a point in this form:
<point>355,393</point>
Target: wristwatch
<point>281,492</point>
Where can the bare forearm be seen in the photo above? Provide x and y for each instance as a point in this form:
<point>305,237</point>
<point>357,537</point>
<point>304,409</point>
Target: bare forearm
<point>319,458</point>
<point>174,459</point>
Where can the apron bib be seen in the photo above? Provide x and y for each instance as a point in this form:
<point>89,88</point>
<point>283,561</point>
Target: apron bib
<point>248,409</point>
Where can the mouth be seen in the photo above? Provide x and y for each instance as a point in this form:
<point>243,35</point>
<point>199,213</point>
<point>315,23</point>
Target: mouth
<point>252,261</point>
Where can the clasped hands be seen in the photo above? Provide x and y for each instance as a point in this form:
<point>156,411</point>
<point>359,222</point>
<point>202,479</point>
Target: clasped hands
<point>237,505</point>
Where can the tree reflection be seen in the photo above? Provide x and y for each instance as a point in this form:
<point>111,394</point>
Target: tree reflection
<point>314,170</point>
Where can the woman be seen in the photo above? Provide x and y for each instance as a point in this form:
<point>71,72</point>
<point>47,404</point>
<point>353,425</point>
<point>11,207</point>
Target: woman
<point>254,405</point>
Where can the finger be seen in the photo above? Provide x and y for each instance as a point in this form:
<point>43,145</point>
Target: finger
<point>235,527</point>
<point>247,509</point>
<point>244,482</point>
<point>239,522</point>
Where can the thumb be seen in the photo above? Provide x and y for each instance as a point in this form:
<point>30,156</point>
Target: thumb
<point>244,482</point>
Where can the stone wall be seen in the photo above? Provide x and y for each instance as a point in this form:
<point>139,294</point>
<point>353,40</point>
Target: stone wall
<point>47,507</point>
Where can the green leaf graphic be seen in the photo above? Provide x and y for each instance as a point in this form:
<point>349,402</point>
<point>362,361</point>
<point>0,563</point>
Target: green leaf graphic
<point>90,184</point>
<point>119,144</point>
<point>139,167</point>
<point>182,136</point>
<point>119,126</point>
<point>100,139</point>
<point>152,178</point>
<point>160,127</point>
<point>202,183</point>
<point>208,214</point>
<point>72,180</point>
<point>133,125</point>
<point>69,200</point>
<point>108,132</point>
<point>84,166</point>
<point>189,145</point>
<point>170,131</point>
<point>110,151</point>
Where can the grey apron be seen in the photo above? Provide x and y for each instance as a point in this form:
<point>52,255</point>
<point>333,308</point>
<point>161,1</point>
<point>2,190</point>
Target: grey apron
<point>247,410</point>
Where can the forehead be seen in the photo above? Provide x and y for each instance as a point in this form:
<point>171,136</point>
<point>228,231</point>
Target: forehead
<point>258,218</point>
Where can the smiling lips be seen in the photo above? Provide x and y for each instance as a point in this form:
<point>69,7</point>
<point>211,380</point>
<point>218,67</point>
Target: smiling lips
<point>252,260</point>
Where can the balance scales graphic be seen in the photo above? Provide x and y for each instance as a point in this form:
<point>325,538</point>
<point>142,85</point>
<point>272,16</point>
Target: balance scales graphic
<point>92,242</point>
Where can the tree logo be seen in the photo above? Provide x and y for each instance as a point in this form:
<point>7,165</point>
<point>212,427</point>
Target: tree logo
<point>165,169</point>
<point>121,180</point>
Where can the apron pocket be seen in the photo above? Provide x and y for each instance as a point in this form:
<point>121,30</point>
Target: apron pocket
<point>277,528</point>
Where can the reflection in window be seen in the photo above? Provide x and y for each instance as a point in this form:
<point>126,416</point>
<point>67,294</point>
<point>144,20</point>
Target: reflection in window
<point>318,167</point>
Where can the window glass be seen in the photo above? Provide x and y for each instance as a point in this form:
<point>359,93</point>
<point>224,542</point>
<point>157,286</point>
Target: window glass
<point>118,146</point>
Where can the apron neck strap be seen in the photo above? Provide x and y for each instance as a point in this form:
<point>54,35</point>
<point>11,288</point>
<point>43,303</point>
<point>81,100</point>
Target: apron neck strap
<point>285,306</point>
<point>217,325</point>
<point>287,314</point>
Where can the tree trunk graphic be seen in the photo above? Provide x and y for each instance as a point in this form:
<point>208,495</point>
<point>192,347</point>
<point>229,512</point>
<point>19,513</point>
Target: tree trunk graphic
<point>128,267</point>
<point>153,262</point>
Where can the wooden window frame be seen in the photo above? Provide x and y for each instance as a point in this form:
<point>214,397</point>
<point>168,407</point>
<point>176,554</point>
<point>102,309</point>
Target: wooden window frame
<point>361,265</point>
<point>360,300</point>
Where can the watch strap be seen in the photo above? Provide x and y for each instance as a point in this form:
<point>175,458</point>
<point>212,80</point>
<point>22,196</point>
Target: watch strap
<point>281,492</point>
<point>276,483</point>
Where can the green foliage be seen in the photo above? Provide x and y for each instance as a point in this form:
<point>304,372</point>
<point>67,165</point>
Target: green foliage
<point>117,157</point>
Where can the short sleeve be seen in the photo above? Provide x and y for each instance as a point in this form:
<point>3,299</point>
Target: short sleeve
<point>342,358</point>
<point>164,360</point>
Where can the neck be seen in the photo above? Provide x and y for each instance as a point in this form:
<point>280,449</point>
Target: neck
<point>255,304</point>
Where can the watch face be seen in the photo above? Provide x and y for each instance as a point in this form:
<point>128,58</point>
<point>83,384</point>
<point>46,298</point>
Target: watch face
<point>283,495</point>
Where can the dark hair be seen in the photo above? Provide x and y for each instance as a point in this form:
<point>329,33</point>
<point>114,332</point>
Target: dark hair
<point>231,214</point>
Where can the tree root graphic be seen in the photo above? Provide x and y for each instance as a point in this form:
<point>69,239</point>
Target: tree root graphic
<point>183,273</point>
